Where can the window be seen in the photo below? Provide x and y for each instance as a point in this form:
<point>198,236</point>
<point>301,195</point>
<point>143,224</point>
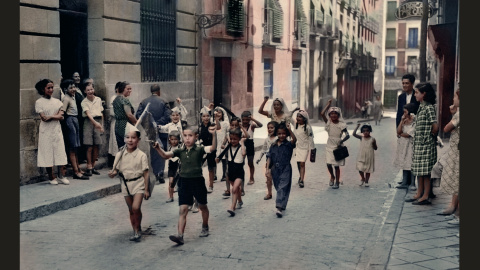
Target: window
<point>267,77</point>
<point>235,18</point>
<point>413,38</point>
<point>250,76</point>
<point>391,8</point>
<point>390,66</point>
<point>295,83</point>
<point>274,19</point>
<point>390,41</point>
<point>73,38</point>
<point>158,40</point>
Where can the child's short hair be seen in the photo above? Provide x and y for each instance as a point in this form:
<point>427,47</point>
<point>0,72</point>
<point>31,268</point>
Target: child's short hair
<point>236,119</point>
<point>367,126</point>
<point>236,131</point>
<point>282,126</point>
<point>246,114</point>
<point>65,84</point>
<point>194,129</point>
<point>273,123</point>
<point>174,133</point>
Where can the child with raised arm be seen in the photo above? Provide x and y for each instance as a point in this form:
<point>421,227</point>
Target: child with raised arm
<point>366,154</point>
<point>335,126</point>
<point>235,164</point>
<point>304,134</point>
<point>250,124</point>
<point>269,141</point>
<point>173,163</point>
<point>178,113</point>
<point>92,110</point>
<point>131,164</point>
<point>278,111</point>
<point>278,164</point>
<point>191,183</point>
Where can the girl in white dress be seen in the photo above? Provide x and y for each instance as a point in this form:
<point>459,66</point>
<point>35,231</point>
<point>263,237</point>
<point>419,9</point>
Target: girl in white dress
<point>335,126</point>
<point>51,147</point>
<point>366,154</point>
<point>404,153</point>
<point>304,134</point>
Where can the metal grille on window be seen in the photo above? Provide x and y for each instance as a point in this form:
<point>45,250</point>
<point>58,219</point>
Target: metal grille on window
<point>236,18</point>
<point>158,40</point>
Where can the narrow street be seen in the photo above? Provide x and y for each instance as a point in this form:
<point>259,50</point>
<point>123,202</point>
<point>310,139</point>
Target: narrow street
<point>322,228</point>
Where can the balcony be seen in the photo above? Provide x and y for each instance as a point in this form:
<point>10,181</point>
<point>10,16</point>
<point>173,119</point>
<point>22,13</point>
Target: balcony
<point>398,71</point>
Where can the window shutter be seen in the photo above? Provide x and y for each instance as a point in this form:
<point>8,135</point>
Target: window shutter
<point>302,21</point>
<point>235,19</point>
<point>277,19</point>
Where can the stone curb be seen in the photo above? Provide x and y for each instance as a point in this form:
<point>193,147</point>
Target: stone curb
<point>377,253</point>
<point>65,204</point>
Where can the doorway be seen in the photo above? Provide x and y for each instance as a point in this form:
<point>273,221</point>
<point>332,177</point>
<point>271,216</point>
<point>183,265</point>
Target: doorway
<point>222,81</point>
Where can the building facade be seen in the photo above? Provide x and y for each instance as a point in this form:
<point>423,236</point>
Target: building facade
<point>142,42</point>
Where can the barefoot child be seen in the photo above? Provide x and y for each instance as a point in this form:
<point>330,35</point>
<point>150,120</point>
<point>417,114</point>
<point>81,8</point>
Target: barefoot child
<point>366,154</point>
<point>131,164</point>
<point>278,163</point>
<point>304,134</point>
<point>335,126</point>
<point>269,141</point>
<point>250,124</point>
<point>235,164</point>
<point>191,183</point>
<point>173,164</point>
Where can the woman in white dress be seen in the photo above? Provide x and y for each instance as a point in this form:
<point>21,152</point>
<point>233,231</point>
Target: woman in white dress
<point>51,147</point>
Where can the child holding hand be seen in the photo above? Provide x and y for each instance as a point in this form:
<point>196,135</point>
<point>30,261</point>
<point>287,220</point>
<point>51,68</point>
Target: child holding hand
<point>173,163</point>
<point>366,155</point>
<point>269,141</point>
<point>191,182</point>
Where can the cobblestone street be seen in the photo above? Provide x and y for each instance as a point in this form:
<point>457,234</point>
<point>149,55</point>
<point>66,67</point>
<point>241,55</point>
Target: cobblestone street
<point>322,228</point>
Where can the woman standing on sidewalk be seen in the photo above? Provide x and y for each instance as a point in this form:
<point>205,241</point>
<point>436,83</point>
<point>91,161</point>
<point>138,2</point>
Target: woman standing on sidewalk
<point>448,166</point>
<point>424,144</point>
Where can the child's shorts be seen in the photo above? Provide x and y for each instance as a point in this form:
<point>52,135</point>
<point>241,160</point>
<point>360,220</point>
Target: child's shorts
<point>211,160</point>
<point>73,132</point>
<point>235,171</point>
<point>172,168</point>
<point>136,186</point>
<point>249,146</point>
<point>192,187</point>
<point>91,135</point>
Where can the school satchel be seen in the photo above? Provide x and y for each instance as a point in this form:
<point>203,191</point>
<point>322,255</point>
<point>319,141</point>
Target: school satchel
<point>340,153</point>
<point>313,154</point>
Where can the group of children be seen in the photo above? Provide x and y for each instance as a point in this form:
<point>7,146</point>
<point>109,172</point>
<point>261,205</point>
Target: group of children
<point>219,140</point>
<point>60,131</point>
<point>216,140</point>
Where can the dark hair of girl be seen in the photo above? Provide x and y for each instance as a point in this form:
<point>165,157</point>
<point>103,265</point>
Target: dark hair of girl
<point>122,86</point>
<point>430,95</point>
<point>40,85</point>
<point>274,123</point>
<point>305,121</point>
<point>411,107</point>
<point>282,126</point>
<point>223,115</point>
<point>236,131</point>
<point>367,127</point>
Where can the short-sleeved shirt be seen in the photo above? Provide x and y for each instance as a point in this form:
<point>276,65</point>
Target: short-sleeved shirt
<point>69,105</point>
<point>132,164</point>
<point>239,158</point>
<point>94,107</point>
<point>191,160</point>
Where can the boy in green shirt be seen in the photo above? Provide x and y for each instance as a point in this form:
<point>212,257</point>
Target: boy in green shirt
<point>191,183</point>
